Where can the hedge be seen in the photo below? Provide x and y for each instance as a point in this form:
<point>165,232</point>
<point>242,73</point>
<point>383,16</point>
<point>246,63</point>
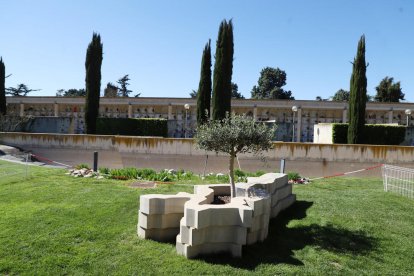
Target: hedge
<point>132,127</point>
<point>372,134</point>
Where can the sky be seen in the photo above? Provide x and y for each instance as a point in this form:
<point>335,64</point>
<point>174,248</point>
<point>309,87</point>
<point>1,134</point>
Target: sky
<point>159,43</point>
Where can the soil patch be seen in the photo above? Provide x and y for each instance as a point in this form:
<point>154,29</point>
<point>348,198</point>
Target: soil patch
<point>221,199</point>
<point>143,184</point>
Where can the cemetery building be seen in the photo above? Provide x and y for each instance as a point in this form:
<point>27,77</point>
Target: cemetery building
<point>292,125</point>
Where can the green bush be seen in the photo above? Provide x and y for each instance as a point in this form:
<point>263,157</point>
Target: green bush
<point>372,134</point>
<point>293,175</point>
<point>82,166</point>
<point>132,127</point>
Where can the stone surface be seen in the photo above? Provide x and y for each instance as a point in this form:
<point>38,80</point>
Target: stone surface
<point>203,228</point>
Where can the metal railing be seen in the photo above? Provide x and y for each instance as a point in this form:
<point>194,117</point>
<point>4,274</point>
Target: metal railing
<point>398,180</point>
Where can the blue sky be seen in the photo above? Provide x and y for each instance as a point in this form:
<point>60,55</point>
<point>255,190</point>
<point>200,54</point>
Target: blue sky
<point>159,43</point>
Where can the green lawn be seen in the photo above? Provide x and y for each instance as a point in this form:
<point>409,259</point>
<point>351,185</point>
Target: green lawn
<point>55,224</point>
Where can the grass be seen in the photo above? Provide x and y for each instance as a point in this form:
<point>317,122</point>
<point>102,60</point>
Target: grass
<point>55,224</point>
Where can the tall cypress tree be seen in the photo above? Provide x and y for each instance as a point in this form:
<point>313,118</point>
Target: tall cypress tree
<point>93,82</point>
<point>358,95</point>
<point>223,70</point>
<point>3,107</point>
<point>204,87</point>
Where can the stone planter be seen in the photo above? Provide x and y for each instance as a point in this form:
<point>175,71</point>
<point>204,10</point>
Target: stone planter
<point>204,228</point>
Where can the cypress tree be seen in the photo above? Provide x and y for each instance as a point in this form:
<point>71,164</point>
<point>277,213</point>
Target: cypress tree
<point>223,69</point>
<point>93,82</point>
<point>358,95</point>
<point>204,87</point>
<point>3,107</point>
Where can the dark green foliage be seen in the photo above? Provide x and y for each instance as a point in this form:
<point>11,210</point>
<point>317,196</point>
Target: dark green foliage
<point>111,91</point>
<point>269,85</point>
<point>71,93</point>
<point>235,94</point>
<point>204,87</point>
<point>358,95</point>
<point>223,70</point>
<point>371,134</point>
<point>93,65</point>
<point>293,176</point>
<point>193,94</point>
<point>123,90</point>
<point>21,90</point>
<point>132,127</point>
<point>340,133</point>
<point>341,96</point>
<point>388,91</point>
<point>3,107</point>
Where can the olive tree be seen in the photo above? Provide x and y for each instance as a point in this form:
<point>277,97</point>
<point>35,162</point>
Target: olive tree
<point>233,135</point>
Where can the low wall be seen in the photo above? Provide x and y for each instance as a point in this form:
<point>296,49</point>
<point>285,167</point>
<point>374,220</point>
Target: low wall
<point>173,146</point>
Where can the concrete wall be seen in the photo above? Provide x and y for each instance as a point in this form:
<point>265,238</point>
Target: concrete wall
<point>187,147</point>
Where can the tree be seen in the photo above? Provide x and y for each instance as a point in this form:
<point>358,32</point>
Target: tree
<point>269,85</point>
<point>20,90</point>
<point>223,70</point>
<point>235,91</point>
<point>388,91</point>
<point>193,94</point>
<point>357,95</point>
<point>204,86</point>
<point>71,93</point>
<point>93,65</point>
<point>233,135</point>
<point>111,90</point>
<point>3,106</point>
<point>123,90</point>
<point>341,96</point>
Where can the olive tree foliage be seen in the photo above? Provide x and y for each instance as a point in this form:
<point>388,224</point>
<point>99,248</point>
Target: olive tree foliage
<point>233,135</point>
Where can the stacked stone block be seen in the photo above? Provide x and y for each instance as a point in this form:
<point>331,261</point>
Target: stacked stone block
<point>203,228</point>
<point>159,216</point>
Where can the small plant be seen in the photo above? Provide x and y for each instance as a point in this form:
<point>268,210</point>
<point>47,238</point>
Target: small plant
<point>293,176</point>
<point>82,166</point>
<point>104,171</point>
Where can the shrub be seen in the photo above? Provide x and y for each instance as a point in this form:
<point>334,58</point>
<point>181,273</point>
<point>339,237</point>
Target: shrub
<point>371,134</point>
<point>293,176</point>
<point>132,127</point>
<point>82,166</point>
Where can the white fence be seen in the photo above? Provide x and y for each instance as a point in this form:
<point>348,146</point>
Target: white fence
<point>398,180</point>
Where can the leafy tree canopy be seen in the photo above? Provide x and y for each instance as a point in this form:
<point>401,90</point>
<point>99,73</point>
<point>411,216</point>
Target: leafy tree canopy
<point>233,135</point>
<point>71,93</point>
<point>111,90</point>
<point>341,96</point>
<point>20,90</point>
<point>388,91</point>
<point>123,89</point>
<point>269,85</point>
<point>193,94</point>
<point>235,91</point>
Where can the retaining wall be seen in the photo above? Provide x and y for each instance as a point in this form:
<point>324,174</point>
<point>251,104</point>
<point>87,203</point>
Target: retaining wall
<point>173,146</point>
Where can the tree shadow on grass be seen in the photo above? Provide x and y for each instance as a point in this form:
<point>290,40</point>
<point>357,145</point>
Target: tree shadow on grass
<point>282,240</point>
